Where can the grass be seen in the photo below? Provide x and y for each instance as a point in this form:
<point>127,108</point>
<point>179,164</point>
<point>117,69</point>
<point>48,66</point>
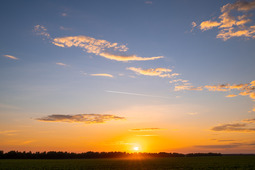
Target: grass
<point>185,163</point>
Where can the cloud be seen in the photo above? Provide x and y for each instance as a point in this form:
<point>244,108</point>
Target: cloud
<point>41,30</point>
<point>217,146</point>
<point>62,64</point>
<point>64,28</point>
<point>187,87</point>
<point>178,80</point>
<point>249,120</point>
<point>9,132</point>
<point>148,2</point>
<point>206,25</point>
<point>102,75</point>
<point>233,21</point>
<point>11,57</point>
<point>223,140</point>
<point>247,89</point>
<point>126,58</point>
<point>80,118</point>
<point>100,47</point>
<point>146,129</point>
<point>231,95</point>
<point>160,72</point>
<point>234,127</point>
<point>103,48</point>
<point>193,25</point>
<point>192,113</point>
<point>63,14</point>
<point>135,94</point>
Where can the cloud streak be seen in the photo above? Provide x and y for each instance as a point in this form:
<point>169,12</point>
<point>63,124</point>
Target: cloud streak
<point>80,118</point>
<point>245,126</point>
<point>247,89</point>
<point>135,94</point>
<point>9,132</point>
<point>62,64</point>
<point>233,21</point>
<point>10,57</point>
<point>102,75</point>
<point>99,47</point>
<point>160,72</point>
<point>103,48</point>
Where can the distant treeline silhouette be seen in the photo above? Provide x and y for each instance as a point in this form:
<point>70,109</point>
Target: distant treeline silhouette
<point>94,155</point>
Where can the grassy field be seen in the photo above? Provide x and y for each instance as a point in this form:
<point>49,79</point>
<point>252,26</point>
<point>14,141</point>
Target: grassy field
<point>219,162</point>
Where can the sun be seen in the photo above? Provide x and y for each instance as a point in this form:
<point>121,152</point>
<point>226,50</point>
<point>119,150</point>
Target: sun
<point>136,148</point>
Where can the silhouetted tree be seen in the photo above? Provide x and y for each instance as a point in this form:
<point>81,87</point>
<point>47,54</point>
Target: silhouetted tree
<point>93,155</point>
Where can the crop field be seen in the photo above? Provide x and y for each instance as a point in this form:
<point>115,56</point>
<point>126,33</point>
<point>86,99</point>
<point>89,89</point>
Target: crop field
<point>218,162</point>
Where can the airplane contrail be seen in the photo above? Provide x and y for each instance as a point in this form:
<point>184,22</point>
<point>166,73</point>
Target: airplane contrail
<point>135,94</point>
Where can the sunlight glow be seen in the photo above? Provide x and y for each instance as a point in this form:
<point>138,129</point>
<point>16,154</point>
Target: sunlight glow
<point>136,148</point>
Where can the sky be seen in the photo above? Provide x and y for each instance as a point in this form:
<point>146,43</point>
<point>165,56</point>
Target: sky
<point>136,75</point>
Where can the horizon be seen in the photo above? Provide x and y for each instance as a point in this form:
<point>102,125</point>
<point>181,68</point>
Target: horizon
<point>132,76</point>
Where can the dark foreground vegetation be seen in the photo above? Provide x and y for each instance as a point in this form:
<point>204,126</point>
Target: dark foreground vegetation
<point>185,163</point>
<point>95,155</point>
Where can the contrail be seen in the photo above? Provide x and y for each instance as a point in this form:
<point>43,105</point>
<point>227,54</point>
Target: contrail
<point>135,94</point>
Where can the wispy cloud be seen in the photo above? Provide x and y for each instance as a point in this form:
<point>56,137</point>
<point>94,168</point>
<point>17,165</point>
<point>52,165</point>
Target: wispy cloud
<point>62,64</point>
<point>192,113</point>
<point>247,89</point>
<point>218,146</point>
<point>41,30</point>
<point>249,120</point>
<point>80,118</point>
<point>178,80</point>
<point>193,25</point>
<point>160,72</point>
<point>102,75</point>
<point>125,58</point>
<point>9,132</point>
<point>231,95</point>
<point>245,127</point>
<point>64,28</point>
<point>146,129</point>
<point>135,94</point>
<point>100,47</point>
<point>148,2</point>
<point>103,48</point>
<point>10,57</point>
<point>63,14</point>
<point>223,140</point>
<point>233,21</point>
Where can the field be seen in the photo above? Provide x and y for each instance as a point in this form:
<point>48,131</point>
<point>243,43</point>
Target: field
<point>217,162</point>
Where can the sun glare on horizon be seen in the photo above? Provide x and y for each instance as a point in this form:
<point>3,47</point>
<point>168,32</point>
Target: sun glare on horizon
<point>136,148</point>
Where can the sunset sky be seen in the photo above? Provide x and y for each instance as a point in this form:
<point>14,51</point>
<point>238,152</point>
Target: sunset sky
<point>127,75</point>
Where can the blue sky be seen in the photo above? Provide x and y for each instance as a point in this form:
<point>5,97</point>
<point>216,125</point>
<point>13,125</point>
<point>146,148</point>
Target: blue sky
<point>172,44</point>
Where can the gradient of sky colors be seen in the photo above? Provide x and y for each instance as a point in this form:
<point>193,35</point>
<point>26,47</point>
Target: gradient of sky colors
<point>127,75</point>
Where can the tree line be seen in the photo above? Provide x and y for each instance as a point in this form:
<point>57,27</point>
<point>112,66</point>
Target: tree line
<point>94,155</point>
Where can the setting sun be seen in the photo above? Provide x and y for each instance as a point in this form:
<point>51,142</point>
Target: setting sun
<point>136,148</point>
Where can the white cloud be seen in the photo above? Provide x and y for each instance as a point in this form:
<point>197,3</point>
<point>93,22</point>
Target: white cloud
<point>102,75</point>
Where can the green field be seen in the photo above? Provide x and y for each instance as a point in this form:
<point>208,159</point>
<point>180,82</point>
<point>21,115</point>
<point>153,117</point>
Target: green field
<point>218,162</point>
